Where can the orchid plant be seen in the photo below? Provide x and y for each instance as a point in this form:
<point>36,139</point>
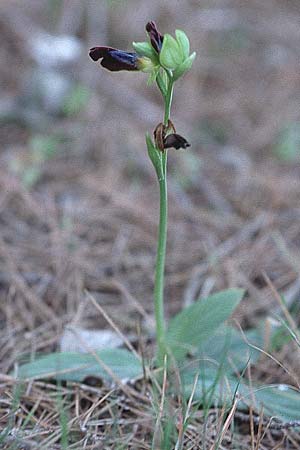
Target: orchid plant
<point>219,353</point>
<point>165,59</point>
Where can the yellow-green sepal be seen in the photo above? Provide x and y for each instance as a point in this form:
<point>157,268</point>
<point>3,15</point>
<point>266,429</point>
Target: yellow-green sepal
<point>145,49</point>
<point>184,66</point>
<point>170,55</point>
<point>183,42</point>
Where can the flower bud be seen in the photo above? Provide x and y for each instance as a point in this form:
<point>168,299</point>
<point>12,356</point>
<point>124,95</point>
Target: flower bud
<point>174,54</point>
<point>156,38</point>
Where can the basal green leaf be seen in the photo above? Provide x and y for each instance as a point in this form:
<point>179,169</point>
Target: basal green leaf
<point>280,401</point>
<point>214,387</point>
<point>189,329</point>
<point>217,388</point>
<point>77,366</point>
<point>230,348</point>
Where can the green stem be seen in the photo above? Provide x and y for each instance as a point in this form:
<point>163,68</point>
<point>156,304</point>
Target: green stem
<point>168,101</point>
<point>162,243</point>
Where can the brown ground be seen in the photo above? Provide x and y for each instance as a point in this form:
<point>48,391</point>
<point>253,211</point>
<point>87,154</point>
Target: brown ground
<point>89,221</point>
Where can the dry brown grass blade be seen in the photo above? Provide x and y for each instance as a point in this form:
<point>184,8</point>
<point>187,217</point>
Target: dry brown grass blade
<point>227,423</point>
<point>284,309</point>
<point>272,357</point>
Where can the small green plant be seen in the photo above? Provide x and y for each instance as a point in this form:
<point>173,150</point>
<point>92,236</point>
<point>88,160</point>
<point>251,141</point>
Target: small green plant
<point>165,59</point>
<point>207,354</point>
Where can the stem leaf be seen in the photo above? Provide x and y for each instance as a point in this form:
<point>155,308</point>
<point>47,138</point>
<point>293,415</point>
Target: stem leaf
<point>156,157</point>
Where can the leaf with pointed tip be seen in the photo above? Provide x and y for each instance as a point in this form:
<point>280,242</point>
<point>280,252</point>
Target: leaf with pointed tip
<point>192,326</point>
<point>155,156</point>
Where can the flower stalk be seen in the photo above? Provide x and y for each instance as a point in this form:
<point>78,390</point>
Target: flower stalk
<point>165,59</point>
<point>162,241</point>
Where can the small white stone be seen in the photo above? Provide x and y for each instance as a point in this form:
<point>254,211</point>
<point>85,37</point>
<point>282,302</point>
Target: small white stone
<point>76,339</point>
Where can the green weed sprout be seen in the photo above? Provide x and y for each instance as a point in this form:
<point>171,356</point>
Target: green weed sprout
<point>165,59</point>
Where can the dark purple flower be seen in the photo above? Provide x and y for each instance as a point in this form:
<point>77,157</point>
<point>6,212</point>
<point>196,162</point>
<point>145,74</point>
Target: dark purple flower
<point>176,141</point>
<point>114,59</point>
<point>164,140</point>
<point>156,37</point>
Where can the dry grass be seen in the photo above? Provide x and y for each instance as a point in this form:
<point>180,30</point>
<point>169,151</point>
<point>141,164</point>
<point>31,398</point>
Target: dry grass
<point>90,221</point>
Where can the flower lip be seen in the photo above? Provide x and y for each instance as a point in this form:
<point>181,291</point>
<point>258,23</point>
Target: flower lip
<point>176,141</point>
<point>156,37</point>
<point>114,59</point>
<point>164,140</point>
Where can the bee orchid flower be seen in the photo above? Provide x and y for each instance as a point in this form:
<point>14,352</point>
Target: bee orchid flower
<point>165,136</point>
<point>116,60</point>
<point>161,52</point>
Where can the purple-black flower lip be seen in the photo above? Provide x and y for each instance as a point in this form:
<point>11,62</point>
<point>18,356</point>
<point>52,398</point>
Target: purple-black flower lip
<point>176,141</point>
<point>156,37</point>
<point>114,59</point>
<point>164,140</point>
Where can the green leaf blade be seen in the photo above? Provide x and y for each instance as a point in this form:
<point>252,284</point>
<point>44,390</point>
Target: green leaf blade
<point>195,324</point>
<point>230,348</point>
<point>280,401</point>
<point>71,366</point>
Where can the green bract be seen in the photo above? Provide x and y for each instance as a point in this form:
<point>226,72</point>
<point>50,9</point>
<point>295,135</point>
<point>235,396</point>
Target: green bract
<point>174,54</point>
<point>155,156</point>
